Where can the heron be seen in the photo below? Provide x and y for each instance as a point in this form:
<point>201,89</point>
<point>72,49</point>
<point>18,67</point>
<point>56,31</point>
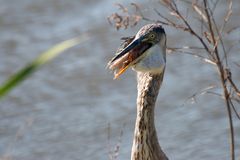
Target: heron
<point>146,54</point>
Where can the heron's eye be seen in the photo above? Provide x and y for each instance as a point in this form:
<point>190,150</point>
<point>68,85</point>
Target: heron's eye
<point>152,36</point>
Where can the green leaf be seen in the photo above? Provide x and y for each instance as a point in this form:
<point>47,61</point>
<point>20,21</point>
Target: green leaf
<point>44,57</point>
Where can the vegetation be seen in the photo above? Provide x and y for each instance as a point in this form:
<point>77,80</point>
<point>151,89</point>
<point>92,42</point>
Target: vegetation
<point>44,57</point>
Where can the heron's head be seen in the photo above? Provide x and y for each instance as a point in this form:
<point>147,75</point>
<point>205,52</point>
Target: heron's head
<point>148,36</point>
<point>152,34</point>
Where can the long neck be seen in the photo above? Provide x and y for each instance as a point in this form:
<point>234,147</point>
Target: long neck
<point>145,143</point>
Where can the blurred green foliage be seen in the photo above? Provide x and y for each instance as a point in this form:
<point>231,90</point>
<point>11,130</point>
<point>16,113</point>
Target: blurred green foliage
<point>44,57</point>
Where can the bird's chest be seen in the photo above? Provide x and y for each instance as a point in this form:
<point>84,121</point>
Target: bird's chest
<point>152,61</point>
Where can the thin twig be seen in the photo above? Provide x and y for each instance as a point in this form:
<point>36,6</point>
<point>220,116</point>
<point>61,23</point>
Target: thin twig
<point>234,109</point>
<point>229,78</point>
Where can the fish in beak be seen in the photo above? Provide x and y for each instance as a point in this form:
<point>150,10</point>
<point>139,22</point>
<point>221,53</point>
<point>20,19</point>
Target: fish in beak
<point>133,50</point>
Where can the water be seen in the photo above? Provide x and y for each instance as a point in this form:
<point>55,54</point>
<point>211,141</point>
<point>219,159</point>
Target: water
<point>63,111</point>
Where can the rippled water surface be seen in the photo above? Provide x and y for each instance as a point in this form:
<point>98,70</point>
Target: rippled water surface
<point>63,112</point>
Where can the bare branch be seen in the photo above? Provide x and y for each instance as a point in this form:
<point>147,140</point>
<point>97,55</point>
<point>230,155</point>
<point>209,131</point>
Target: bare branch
<point>192,98</point>
<point>181,50</point>
<point>225,90</point>
<point>199,11</point>
<point>234,109</point>
<point>229,78</point>
<point>121,7</point>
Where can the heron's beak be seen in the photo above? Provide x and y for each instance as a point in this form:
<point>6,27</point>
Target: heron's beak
<point>132,45</point>
<point>128,55</point>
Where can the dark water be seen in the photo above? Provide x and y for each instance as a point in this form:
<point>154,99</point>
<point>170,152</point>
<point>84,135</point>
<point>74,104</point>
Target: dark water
<point>63,111</point>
